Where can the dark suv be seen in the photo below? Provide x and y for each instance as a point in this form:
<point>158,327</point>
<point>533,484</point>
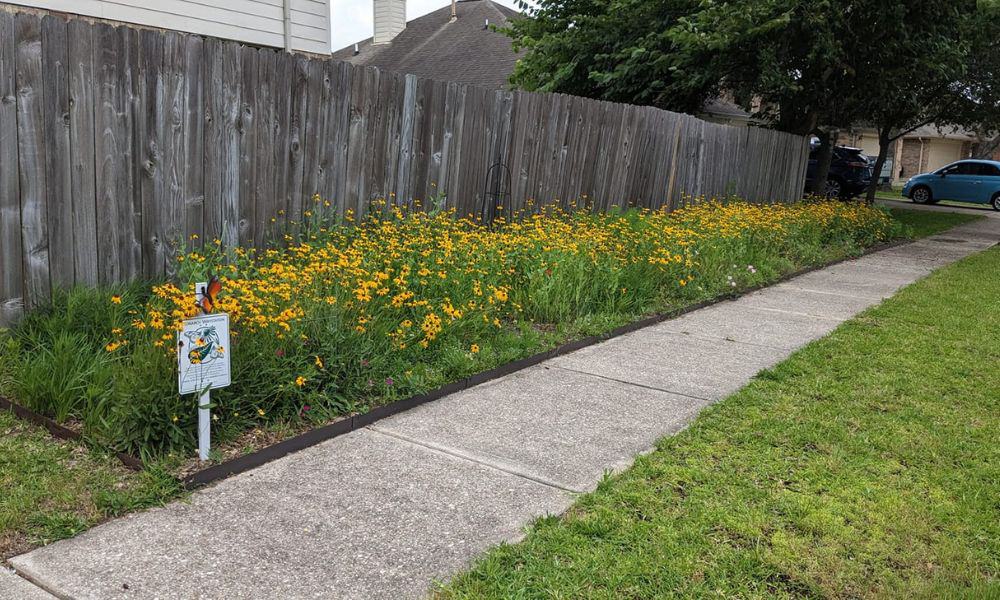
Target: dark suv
<point>850,172</point>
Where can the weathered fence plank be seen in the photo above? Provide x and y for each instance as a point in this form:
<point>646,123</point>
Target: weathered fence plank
<point>247,131</point>
<point>117,145</point>
<point>299,107</point>
<point>150,119</point>
<point>339,143</point>
<point>170,189</point>
<point>58,159</point>
<point>119,250</point>
<point>311,132</point>
<point>265,160</point>
<point>31,158</point>
<point>232,91</point>
<point>81,138</point>
<point>279,204</point>
<point>11,263</point>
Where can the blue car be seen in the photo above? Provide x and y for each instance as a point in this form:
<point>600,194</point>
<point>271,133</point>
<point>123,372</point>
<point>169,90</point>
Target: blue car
<point>975,181</point>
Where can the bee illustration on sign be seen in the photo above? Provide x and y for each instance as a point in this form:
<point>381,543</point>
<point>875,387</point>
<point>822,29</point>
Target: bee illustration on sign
<point>202,360</point>
<point>204,345</point>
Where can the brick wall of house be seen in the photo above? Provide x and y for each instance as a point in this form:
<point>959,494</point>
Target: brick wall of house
<point>911,162</point>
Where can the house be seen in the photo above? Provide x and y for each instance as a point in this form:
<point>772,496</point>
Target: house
<point>455,43</point>
<point>295,25</point>
<point>924,149</point>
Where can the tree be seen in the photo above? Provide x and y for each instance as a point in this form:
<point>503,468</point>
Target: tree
<point>922,67</point>
<point>893,64</point>
<point>617,50</point>
<point>802,66</point>
<point>780,59</point>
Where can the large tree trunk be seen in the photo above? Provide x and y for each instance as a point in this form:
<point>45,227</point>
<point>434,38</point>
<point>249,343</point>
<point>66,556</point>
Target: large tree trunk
<point>985,148</point>
<point>824,156</point>
<point>884,141</point>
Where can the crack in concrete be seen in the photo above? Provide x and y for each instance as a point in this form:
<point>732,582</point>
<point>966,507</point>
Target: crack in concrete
<point>876,299</point>
<point>801,314</point>
<point>474,458</point>
<point>640,385</point>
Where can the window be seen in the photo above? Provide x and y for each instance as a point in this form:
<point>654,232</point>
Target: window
<point>988,170</point>
<point>962,168</point>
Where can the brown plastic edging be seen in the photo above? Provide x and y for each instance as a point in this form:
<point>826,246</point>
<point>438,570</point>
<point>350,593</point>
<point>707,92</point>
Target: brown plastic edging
<point>59,431</point>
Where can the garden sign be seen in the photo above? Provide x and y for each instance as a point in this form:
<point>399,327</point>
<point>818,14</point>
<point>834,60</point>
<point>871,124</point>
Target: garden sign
<point>203,365</point>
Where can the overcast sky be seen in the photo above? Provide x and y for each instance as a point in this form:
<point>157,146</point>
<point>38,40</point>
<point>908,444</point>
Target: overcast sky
<point>352,19</point>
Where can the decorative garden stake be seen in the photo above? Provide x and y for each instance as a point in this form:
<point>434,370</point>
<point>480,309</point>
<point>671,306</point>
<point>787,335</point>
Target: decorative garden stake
<point>203,359</point>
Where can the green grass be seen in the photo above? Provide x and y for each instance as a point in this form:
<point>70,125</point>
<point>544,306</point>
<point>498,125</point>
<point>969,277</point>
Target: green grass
<point>897,195</point>
<point>923,223</point>
<point>54,489</point>
<point>866,465</point>
<point>893,194</point>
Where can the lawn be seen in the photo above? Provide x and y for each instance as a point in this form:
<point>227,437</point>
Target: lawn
<point>893,194</point>
<point>866,465</point>
<point>922,223</point>
<point>54,489</point>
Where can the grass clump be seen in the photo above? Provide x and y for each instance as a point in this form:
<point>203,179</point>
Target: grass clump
<point>55,489</point>
<point>865,466</point>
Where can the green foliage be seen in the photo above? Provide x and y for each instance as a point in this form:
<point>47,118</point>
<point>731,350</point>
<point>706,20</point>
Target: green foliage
<point>95,357</point>
<point>618,50</point>
<point>797,64</point>
<point>865,466</point>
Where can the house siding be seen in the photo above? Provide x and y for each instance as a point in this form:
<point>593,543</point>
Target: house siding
<point>259,22</point>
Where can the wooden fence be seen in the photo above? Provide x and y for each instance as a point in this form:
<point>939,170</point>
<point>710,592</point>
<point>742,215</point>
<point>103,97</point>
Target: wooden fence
<point>117,142</point>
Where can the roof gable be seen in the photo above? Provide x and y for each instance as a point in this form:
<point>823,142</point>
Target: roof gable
<point>433,46</point>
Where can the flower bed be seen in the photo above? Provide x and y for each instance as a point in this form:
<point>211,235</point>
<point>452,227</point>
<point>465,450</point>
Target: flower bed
<point>349,316</point>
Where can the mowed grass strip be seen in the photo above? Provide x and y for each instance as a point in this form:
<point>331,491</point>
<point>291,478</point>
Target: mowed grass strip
<point>865,466</point>
<point>923,223</point>
<point>52,489</point>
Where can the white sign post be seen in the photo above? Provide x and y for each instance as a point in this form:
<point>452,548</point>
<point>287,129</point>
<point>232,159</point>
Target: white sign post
<point>203,365</point>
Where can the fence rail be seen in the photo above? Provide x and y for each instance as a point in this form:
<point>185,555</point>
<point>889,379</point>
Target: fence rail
<point>115,142</point>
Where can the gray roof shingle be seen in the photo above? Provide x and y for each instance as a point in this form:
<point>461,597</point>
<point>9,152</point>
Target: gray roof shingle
<point>432,46</point>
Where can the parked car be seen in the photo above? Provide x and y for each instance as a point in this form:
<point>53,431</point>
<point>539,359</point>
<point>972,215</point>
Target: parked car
<point>975,181</point>
<point>850,172</point>
<point>885,177</point>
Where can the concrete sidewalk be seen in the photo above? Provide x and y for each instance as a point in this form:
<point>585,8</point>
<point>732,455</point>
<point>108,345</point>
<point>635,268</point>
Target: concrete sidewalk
<point>384,512</point>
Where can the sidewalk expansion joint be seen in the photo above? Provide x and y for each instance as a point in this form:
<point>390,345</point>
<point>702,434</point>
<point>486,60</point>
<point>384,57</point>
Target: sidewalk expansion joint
<point>715,338</point>
<point>802,314</point>
<point>34,583</point>
<point>469,457</point>
<point>792,286</point>
<point>632,383</point>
